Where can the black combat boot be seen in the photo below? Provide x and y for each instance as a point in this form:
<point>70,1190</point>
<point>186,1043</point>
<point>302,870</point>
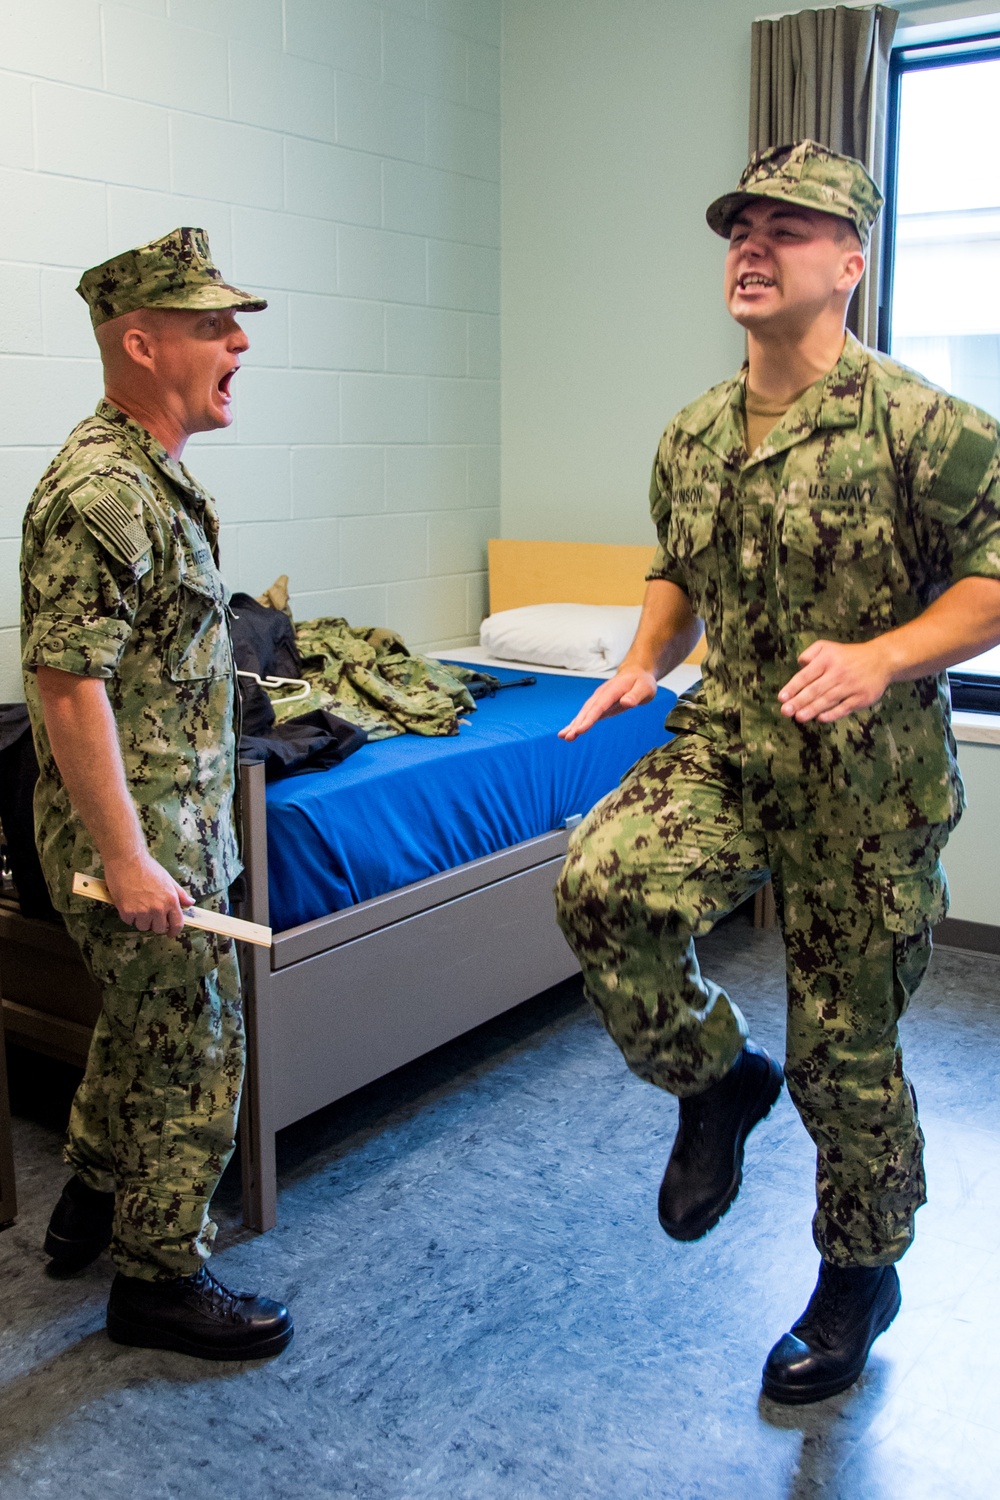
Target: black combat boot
<point>196,1315</point>
<point>705,1168</point>
<point>826,1349</point>
<point>80,1226</point>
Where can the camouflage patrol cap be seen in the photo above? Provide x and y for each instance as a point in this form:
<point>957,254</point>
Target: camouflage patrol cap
<point>808,175</point>
<point>175,271</point>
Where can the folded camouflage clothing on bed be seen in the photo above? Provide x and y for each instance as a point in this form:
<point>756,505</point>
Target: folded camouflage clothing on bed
<point>366,675</point>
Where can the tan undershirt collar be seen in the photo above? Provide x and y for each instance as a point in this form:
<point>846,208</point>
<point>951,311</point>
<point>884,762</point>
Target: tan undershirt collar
<point>762,415</point>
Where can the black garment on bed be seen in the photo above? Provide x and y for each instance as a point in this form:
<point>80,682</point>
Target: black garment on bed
<point>310,742</point>
<point>263,642</point>
<point>18,774</point>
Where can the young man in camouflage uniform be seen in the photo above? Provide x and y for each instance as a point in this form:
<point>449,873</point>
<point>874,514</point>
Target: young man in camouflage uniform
<point>835,521</point>
<point>130,679</point>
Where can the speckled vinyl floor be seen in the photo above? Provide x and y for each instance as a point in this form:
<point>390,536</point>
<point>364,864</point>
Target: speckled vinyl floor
<point>487,1309</point>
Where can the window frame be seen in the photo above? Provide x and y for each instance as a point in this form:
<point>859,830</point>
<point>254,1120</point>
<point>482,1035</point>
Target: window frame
<point>971,692</point>
<point>906,58</point>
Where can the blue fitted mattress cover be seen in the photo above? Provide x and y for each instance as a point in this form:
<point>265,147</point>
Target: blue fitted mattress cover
<point>400,810</point>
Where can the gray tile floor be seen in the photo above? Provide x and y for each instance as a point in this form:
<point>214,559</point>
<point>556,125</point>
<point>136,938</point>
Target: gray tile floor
<point>486,1306</point>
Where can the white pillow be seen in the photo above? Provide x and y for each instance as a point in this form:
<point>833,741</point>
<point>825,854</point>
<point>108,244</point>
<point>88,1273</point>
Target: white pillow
<point>582,637</point>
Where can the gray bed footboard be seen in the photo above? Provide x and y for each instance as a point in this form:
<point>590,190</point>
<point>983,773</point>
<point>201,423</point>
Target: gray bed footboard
<point>343,1000</point>
<point>335,1003</point>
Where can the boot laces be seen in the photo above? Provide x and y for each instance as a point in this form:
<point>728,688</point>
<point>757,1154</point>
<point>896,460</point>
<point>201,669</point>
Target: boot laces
<point>218,1299</point>
<point>832,1308</point>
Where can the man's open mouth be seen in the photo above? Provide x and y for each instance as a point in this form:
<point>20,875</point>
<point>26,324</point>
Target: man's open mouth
<point>226,380</point>
<point>752,279</point>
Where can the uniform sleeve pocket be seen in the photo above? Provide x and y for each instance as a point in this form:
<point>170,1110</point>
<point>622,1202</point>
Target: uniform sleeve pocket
<point>914,901</point>
<point>86,645</point>
<point>957,487</point>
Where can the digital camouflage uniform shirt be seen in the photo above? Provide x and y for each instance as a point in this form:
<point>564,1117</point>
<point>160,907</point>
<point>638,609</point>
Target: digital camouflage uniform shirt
<point>872,495</point>
<point>120,580</point>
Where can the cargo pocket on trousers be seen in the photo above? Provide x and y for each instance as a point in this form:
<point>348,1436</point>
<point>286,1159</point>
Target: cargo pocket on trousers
<point>912,904</point>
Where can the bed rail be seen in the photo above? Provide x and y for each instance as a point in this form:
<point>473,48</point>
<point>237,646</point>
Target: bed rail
<point>298,943</point>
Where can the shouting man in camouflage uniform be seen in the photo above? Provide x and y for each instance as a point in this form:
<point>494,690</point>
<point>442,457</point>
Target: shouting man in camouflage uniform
<point>129,678</point>
<point>835,522</point>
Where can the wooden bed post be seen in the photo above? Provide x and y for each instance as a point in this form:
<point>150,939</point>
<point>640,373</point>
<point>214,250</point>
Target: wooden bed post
<point>260,1206</point>
<point>764,911</point>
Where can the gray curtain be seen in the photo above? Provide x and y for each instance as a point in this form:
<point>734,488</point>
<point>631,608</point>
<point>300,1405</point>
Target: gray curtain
<point>825,74</point>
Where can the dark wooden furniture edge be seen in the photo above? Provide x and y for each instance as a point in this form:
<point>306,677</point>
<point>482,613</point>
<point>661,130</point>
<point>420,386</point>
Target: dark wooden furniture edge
<point>8,1191</point>
<point>49,1004</point>
<point>976,937</point>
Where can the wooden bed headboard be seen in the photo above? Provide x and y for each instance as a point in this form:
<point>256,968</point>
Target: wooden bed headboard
<point>566,573</point>
<point>569,573</point>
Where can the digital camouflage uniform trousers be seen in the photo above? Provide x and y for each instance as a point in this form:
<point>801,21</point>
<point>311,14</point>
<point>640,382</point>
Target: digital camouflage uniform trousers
<point>120,581</point>
<point>657,863</point>
<point>156,1111</point>
<point>867,499</point>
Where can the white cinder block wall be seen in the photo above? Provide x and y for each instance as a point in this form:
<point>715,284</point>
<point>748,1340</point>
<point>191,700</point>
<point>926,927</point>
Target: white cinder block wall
<point>344,157</point>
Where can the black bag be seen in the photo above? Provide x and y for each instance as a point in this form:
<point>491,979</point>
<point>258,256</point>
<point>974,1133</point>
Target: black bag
<point>18,774</point>
<point>263,642</point>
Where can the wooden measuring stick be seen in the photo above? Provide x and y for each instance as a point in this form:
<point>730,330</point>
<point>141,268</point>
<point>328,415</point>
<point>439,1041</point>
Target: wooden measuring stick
<point>195,916</point>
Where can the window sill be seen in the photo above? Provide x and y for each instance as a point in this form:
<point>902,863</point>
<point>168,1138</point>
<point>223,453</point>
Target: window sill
<point>976,729</point>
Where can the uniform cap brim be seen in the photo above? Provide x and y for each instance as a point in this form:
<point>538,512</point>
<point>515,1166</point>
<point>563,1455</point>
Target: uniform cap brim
<point>211,294</point>
<point>723,211</point>
<point>720,214</point>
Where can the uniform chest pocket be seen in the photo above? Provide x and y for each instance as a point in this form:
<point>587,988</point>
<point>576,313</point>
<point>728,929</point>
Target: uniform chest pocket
<point>691,531</point>
<point>200,647</point>
<point>839,568</point>
<point>692,547</point>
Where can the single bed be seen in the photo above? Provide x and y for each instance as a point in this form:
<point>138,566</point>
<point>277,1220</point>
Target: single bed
<point>399,943</point>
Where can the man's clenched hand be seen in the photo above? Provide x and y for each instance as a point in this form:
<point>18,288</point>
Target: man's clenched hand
<point>147,897</point>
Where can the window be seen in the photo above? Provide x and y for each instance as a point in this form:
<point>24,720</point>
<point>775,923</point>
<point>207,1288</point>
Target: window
<point>941,283</point>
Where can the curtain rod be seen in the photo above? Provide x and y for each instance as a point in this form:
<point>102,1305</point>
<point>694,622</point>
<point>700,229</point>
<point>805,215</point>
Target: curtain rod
<point>900,5</point>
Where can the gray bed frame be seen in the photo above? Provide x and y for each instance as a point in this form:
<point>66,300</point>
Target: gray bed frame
<point>335,1003</point>
<point>343,1000</point>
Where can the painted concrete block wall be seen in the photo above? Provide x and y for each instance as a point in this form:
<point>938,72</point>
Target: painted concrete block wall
<point>344,157</point>
<point>621,123</point>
